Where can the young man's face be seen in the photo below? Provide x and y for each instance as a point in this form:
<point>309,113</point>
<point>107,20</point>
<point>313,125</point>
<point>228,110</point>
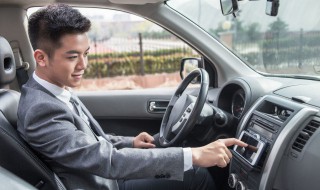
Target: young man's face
<point>66,65</point>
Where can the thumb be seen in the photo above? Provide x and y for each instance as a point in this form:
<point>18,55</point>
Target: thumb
<point>147,137</point>
<point>147,145</point>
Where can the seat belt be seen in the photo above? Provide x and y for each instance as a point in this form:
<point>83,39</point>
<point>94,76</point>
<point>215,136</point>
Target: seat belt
<point>21,67</point>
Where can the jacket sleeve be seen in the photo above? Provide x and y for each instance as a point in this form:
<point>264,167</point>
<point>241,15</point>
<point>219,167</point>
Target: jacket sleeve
<point>53,134</point>
<point>120,141</point>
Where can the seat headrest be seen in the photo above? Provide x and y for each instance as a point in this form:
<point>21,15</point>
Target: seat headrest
<point>7,64</point>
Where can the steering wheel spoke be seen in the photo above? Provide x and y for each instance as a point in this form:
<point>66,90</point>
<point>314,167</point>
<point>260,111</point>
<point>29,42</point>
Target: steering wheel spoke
<point>183,119</point>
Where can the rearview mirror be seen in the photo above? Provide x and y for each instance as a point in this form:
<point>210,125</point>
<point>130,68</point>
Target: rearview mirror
<point>188,65</point>
<point>229,6</point>
<point>272,7</point>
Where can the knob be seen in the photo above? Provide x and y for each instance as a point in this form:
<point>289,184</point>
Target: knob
<point>232,180</point>
<point>257,136</point>
<point>240,186</point>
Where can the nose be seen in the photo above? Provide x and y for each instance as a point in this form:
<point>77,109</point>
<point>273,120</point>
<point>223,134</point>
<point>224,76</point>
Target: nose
<point>83,62</point>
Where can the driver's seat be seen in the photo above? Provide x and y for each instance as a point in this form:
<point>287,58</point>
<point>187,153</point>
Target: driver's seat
<point>16,155</point>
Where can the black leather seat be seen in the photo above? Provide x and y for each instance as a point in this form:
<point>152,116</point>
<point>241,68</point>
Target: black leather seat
<point>15,155</point>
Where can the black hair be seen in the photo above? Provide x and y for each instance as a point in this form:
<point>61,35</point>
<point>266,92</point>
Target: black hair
<point>49,24</point>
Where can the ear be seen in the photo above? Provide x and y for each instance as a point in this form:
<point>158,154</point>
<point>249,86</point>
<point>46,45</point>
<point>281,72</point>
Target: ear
<point>41,57</point>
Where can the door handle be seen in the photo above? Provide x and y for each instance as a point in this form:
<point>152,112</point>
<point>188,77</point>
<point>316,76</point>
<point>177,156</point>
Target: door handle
<point>158,106</point>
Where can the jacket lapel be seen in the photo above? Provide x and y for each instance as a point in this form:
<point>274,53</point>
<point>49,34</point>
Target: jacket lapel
<point>80,124</point>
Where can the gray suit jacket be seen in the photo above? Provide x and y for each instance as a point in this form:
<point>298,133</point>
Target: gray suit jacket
<point>81,161</point>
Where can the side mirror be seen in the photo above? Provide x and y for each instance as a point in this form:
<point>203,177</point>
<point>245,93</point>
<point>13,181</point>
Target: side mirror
<point>229,6</point>
<point>188,65</point>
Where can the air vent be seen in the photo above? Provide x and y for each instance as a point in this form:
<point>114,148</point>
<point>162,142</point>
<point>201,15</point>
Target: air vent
<point>305,135</point>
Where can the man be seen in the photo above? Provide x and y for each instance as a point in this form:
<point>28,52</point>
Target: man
<point>57,125</point>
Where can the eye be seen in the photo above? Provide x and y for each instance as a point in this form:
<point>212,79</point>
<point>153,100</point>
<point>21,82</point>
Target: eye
<point>72,57</point>
<point>86,54</point>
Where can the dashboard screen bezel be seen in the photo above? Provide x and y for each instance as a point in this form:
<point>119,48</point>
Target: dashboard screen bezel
<point>241,151</point>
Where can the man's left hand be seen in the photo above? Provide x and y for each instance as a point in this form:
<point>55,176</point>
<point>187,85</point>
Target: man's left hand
<point>143,140</point>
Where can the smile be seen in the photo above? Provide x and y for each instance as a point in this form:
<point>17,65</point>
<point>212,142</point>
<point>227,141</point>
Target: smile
<point>77,75</point>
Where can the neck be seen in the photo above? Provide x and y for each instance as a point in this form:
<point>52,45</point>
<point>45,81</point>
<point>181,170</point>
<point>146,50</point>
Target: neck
<point>44,76</point>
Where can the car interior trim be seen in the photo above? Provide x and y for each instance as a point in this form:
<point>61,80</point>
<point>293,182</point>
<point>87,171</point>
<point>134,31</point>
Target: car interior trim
<point>279,146</point>
<point>248,115</point>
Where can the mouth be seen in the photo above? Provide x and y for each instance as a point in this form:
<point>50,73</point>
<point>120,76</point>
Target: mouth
<point>78,76</point>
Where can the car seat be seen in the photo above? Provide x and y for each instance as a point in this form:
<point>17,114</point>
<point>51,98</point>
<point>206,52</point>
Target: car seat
<point>15,154</point>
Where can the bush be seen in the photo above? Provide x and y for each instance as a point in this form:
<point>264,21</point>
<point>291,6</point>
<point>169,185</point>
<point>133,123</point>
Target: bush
<point>128,63</point>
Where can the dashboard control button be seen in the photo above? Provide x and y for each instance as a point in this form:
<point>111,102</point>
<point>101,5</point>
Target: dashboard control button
<point>232,180</point>
<point>294,155</point>
<point>257,136</point>
<point>240,186</point>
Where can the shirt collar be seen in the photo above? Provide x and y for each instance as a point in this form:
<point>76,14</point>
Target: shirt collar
<point>61,93</point>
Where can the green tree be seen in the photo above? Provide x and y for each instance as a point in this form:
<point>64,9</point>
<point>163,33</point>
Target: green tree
<point>237,25</point>
<point>278,26</point>
<point>253,32</point>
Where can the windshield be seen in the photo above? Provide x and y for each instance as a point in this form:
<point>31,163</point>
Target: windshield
<point>287,44</point>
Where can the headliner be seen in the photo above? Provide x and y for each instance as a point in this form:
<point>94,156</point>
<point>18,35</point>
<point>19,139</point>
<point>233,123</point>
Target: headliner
<point>30,3</point>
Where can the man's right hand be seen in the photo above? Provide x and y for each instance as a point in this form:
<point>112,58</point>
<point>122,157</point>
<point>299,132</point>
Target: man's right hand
<point>215,153</point>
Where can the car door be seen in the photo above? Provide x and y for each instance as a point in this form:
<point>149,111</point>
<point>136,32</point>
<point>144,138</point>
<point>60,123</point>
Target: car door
<point>128,112</point>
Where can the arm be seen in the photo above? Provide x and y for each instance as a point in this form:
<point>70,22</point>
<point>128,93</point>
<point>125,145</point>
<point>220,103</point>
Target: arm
<point>143,140</point>
<point>215,153</point>
<point>52,133</point>
<point>120,141</point>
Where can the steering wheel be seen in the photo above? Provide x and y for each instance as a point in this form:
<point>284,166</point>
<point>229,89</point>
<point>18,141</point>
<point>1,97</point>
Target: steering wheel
<point>183,110</point>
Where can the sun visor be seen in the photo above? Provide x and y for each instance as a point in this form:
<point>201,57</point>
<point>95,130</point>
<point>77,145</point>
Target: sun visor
<point>135,2</point>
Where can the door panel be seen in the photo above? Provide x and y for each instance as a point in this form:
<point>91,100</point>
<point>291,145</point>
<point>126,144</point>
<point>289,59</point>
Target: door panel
<point>127,112</point>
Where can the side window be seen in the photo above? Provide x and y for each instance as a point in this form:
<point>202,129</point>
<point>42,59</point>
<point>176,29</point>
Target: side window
<point>129,52</point>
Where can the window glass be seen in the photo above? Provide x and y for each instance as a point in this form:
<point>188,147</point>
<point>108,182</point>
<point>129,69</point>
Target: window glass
<point>129,52</point>
<point>286,45</point>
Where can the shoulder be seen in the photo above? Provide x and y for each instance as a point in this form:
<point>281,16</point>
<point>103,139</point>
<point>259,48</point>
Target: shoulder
<point>35,102</point>
<point>32,93</point>
<point>31,98</point>
<point>39,111</point>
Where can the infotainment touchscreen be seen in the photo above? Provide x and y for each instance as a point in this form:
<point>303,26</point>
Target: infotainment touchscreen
<point>253,151</point>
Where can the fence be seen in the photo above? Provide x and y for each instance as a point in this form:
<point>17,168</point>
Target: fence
<point>278,51</point>
<point>272,52</point>
<point>136,56</point>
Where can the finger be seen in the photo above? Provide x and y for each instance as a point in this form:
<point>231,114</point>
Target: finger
<point>228,153</point>
<point>222,163</point>
<point>149,138</point>
<point>147,145</point>
<point>146,137</point>
<point>234,141</point>
<point>226,158</point>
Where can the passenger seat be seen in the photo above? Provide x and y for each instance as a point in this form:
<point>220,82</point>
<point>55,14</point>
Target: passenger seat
<point>15,155</point>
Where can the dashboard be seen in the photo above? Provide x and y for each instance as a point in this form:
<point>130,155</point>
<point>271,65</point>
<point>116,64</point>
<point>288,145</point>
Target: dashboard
<point>279,118</point>
<point>237,103</point>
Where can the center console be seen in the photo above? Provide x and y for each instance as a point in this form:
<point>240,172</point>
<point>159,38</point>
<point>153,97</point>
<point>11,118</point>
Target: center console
<point>260,129</point>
